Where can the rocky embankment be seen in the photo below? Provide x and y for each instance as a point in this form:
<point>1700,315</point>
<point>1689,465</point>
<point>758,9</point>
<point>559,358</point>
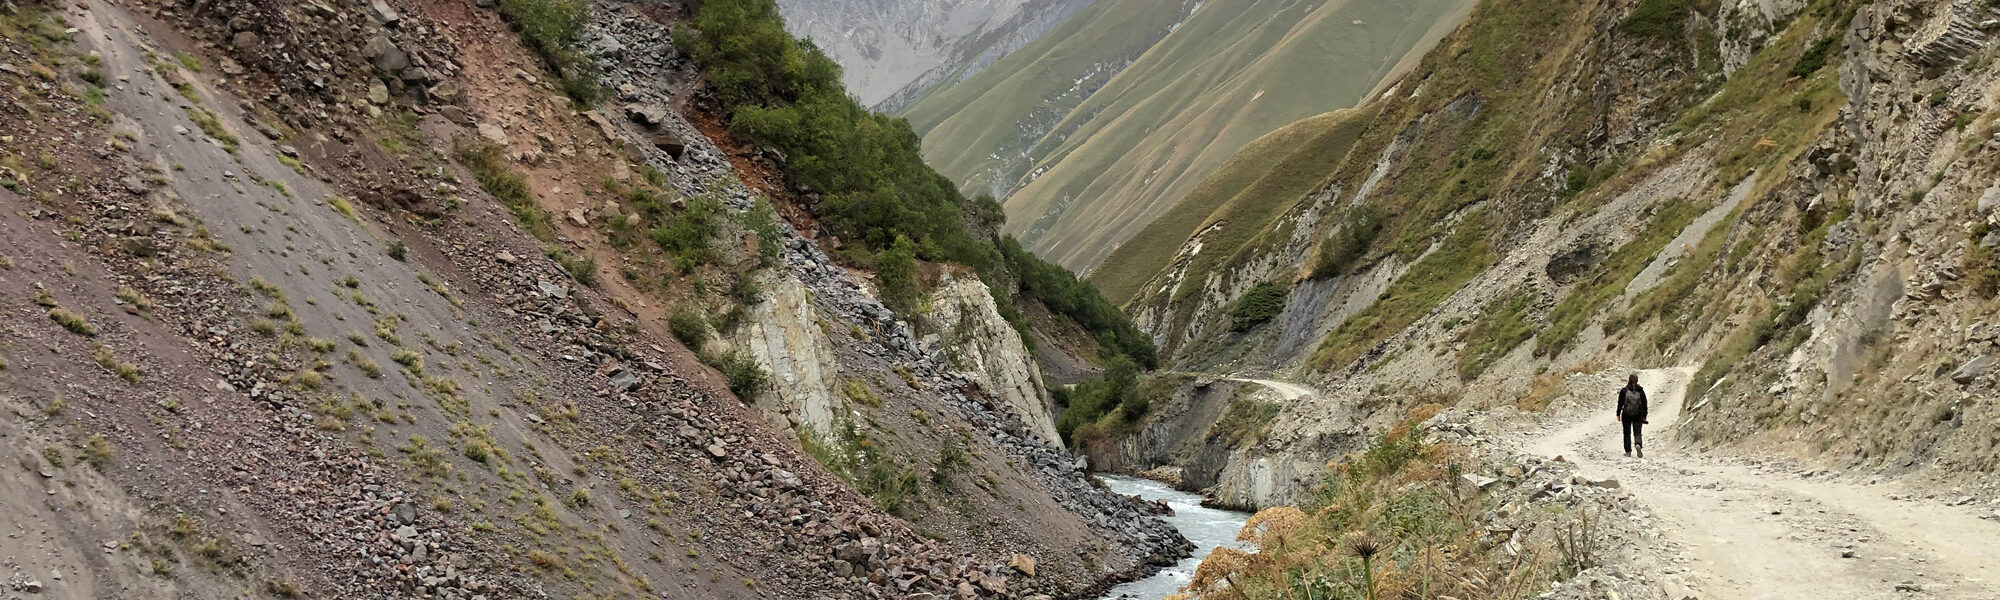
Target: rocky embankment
<point>312,359</point>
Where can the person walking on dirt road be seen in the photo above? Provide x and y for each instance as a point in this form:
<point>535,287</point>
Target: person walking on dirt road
<point>1632,415</point>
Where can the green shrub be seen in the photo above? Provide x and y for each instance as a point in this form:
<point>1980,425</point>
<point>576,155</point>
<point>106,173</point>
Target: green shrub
<point>690,233</point>
<point>1658,19</point>
<point>1259,305</point>
<point>1091,400</point>
<point>896,276</point>
<point>553,29</point>
<point>689,327</point>
<point>1062,293</point>
<point>1340,254</point>
<point>582,268</point>
<point>746,378</point>
<point>1815,56</point>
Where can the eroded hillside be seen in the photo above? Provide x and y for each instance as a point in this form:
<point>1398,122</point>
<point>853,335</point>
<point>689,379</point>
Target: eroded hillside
<point>384,299</point>
<point>1790,200</point>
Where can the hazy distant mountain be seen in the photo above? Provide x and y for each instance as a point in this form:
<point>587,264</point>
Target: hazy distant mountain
<point>886,45</point>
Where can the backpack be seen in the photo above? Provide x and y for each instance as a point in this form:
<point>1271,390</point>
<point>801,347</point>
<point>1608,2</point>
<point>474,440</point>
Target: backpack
<point>1632,404</point>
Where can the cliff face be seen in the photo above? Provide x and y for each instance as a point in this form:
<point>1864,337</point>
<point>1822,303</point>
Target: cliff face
<point>976,340</point>
<point>1787,200</point>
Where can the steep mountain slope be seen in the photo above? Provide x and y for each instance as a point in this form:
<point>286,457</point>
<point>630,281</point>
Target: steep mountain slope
<point>1777,217</point>
<point>1789,202</point>
<point>893,49</point>
<point>1133,124</point>
<point>383,314</point>
<point>1238,200</point>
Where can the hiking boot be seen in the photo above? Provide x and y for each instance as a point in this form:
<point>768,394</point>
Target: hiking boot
<point>1642,452</point>
<point>1628,453</point>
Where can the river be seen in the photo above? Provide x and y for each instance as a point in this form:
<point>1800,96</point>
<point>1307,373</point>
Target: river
<point>1206,527</point>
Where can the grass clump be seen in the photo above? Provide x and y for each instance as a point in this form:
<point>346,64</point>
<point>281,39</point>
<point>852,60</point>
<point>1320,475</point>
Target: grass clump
<point>488,163</point>
<point>850,454</point>
<point>97,451</point>
<point>211,125</point>
<point>1259,305</point>
<point>72,321</point>
<point>1388,522</point>
<point>109,360</point>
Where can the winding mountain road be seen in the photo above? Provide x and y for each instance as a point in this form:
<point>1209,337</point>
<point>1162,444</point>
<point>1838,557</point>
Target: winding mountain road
<point>1758,534</point>
<point>1287,391</point>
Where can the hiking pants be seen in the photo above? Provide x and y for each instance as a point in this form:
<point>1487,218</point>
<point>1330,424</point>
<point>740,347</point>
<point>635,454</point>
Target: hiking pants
<point>1633,436</point>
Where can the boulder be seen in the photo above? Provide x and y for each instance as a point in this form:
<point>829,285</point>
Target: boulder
<point>385,55</point>
<point>246,41</point>
<point>1972,369</point>
<point>382,13</point>
<point>1023,563</point>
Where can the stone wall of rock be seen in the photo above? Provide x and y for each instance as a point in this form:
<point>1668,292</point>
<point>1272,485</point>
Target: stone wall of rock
<point>783,334</point>
<point>965,323</point>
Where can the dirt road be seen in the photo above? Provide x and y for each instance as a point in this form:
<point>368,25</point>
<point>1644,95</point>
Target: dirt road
<point>1753,533</point>
<point>1287,391</point>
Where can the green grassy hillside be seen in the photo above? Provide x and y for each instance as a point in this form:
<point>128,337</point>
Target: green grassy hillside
<point>972,127</point>
<point>1262,181</point>
<point>1224,77</point>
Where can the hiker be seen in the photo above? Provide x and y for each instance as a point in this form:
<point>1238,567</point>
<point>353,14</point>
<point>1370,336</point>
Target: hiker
<point>1632,415</point>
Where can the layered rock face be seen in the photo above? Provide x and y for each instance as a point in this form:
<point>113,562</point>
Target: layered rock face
<point>976,340</point>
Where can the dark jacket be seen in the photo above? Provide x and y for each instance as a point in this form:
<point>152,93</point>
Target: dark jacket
<point>1632,404</point>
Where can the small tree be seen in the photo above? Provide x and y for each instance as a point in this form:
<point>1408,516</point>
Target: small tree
<point>897,276</point>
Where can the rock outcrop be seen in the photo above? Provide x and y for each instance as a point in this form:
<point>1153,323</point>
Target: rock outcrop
<point>976,340</point>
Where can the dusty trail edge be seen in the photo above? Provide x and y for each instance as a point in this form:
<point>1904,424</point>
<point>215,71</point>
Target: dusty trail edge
<point>1760,533</point>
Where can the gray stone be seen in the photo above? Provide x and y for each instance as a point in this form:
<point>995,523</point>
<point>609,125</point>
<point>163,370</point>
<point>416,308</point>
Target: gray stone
<point>386,56</point>
<point>246,41</point>
<point>1972,369</point>
<point>383,13</point>
<point>378,93</point>
<point>624,381</point>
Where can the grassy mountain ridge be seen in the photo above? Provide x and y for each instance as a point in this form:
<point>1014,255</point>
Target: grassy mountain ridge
<point>1079,180</point>
<point>1244,194</point>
